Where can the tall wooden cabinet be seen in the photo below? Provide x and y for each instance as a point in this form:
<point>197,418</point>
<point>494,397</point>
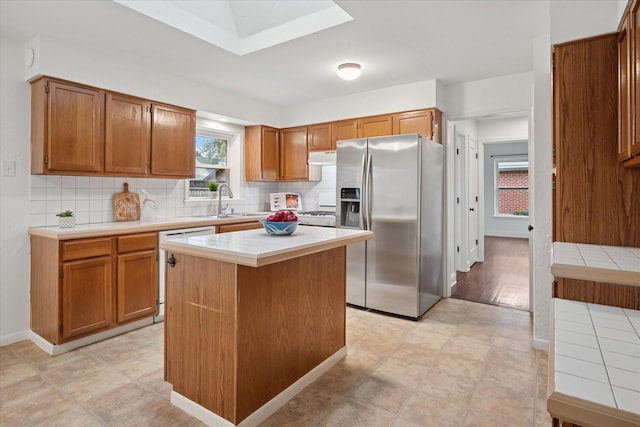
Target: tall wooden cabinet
<point>597,199</point>
<point>82,130</point>
<point>261,153</point>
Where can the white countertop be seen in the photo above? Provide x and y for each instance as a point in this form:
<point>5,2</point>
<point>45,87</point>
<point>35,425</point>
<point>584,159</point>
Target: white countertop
<point>597,263</point>
<point>125,227</point>
<point>596,361</point>
<point>255,248</point>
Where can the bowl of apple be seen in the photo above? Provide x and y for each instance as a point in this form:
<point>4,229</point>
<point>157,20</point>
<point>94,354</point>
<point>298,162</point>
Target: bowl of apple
<point>281,223</point>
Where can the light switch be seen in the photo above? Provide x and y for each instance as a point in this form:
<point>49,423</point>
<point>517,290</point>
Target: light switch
<point>8,168</point>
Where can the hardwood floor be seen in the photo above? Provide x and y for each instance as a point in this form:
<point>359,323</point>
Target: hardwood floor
<point>503,277</point>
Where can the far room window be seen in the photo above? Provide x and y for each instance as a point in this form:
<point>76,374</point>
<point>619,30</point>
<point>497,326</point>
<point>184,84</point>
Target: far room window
<point>512,186</point>
<point>211,162</point>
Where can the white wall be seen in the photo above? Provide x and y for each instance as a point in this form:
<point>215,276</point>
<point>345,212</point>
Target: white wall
<point>396,98</point>
<point>14,193</point>
<point>496,95</point>
<point>575,19</point>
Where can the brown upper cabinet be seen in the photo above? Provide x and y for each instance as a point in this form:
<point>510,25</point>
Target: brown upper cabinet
<point>58,147</point>
<point>127,134</point>
<point>629,86</point>
<point>375,126</point>
<point>344,129</point>
<point>261,153</point>
<point>294,154</point>
<point>635,70</point>
<point>320,137</point>
<point>173,141</point>
<point>81,130</point>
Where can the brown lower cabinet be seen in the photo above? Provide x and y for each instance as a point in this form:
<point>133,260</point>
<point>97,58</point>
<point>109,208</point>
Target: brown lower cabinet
<point>227,228</point>
<point>83,286</point>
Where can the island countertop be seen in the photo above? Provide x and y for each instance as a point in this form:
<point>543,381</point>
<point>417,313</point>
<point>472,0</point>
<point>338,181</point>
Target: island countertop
<point>255,248</point>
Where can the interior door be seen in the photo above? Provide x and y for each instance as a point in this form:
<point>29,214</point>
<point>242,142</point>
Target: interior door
<point>472,201</point>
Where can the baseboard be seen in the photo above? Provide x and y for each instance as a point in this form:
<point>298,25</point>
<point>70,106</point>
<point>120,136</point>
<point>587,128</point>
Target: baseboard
<point>55,349</point>
<point>12,338</point>
<point>541,344</point>
<point>265,411</point>
<point>514,235</point>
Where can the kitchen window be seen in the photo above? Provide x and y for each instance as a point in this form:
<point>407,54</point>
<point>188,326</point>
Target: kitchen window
<point>212,163</point>
<point>511,186</point>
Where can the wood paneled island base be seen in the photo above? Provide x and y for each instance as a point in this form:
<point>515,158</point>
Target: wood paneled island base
<point>238,336</point>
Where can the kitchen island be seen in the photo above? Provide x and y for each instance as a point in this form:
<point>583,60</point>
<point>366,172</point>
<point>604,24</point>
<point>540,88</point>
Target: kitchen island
<point>251,319</point>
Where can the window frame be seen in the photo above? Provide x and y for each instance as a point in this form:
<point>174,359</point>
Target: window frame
<point>227,135</point>
<point>496,187</point>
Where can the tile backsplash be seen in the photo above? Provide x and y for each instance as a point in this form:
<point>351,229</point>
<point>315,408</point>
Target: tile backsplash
<point>91,198</point>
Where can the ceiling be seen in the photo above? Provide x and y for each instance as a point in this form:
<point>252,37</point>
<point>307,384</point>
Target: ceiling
<point>396,42</point>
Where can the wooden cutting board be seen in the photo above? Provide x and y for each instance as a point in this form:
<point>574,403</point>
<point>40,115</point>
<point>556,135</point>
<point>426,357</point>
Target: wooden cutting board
<point>126,206</point>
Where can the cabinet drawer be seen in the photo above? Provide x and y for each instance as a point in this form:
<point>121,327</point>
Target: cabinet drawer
<point>85,248</point>
<point>226,228</point>
<point>137,242</point>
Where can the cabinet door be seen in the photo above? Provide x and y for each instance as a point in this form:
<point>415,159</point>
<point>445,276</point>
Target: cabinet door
<point>86,296</point>
<point>127,134</point>
<point>173,139</point>
<point>414,122</point>
<point>294,154</point>
<point>635,82</point>
<point>75,136</point>
<point>320,138</point>
<point>269,154</point>
<point>137,285</point>
<point>375,126</point>
<point>624,98</point>
<point>345,129</point>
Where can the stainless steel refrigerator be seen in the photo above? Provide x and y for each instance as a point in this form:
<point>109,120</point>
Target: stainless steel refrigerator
<point>393,186</point>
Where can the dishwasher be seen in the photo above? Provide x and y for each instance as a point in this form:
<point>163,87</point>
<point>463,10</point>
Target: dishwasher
<point>162,236</point>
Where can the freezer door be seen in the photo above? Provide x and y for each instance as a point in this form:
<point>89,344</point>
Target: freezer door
<point>349,168</point>
<point>392,197</point>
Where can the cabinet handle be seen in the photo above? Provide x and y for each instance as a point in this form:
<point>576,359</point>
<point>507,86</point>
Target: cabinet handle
<point>472,209</point>
<point>171,261</point>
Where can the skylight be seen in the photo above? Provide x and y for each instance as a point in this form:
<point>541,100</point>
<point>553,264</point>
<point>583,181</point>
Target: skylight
<point>244,26</point>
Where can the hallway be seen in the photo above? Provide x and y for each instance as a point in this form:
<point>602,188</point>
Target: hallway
<point>503,277</point>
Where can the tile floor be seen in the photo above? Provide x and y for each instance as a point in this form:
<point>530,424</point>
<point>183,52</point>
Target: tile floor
<point>463,364</point>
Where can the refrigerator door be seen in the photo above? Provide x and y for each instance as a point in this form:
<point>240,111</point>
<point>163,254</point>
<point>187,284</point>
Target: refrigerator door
<point>431,218</point>
<point>393,254</point>
<point>350,163</point>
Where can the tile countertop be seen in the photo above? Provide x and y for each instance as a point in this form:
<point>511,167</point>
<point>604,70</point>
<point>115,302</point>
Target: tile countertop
<point>594,365</point>
<point>607,264</point>
<point>255,248</point>
<point>125,227</point>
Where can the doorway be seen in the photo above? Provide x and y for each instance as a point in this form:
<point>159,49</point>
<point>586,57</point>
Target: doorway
<point>491,219</point>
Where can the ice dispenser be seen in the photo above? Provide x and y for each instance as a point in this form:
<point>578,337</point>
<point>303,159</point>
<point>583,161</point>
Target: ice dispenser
<point>350,208</point>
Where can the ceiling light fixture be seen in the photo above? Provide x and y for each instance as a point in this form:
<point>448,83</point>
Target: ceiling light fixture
<point>349,71</point>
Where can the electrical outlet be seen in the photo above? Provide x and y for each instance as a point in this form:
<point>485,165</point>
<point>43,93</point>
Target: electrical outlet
<point>8,168</point>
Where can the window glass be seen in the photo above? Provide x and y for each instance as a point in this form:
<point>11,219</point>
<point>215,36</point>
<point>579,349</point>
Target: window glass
<point>512,187</point>
<point>211,163</point>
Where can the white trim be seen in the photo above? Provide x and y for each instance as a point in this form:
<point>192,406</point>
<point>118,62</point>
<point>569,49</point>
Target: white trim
<point>265,411</point>
<point>55,349</point>
<point>11,338</point>
<point>540,344</point>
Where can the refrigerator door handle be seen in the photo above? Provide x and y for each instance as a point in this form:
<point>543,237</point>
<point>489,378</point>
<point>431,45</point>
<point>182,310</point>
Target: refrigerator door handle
<point>363,193</point>
<point>368,186</point>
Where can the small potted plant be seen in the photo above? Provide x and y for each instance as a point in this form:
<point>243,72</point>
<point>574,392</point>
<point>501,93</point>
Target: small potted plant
<point>213,189</point>
<point>66,219</point>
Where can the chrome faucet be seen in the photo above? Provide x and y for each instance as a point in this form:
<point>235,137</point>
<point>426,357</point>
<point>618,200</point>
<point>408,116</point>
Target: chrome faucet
<point>220,187</point>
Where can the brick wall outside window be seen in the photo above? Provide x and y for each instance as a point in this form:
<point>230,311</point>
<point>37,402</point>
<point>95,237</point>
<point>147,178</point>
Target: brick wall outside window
<point>513,192</point>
